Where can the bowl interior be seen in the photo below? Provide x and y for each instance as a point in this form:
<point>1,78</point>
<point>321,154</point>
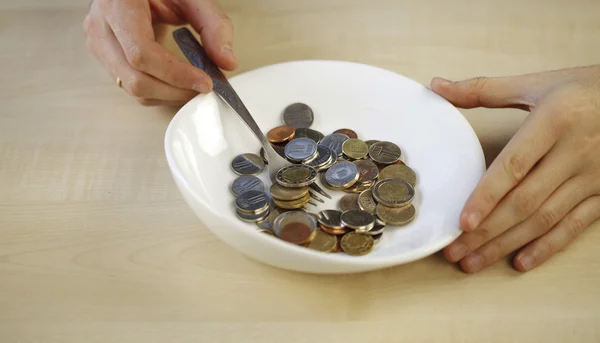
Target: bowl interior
<point>436,142</point>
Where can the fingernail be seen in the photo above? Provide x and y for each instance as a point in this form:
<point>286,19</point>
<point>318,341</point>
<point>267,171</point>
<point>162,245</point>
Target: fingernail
<point>473,219</point>
<point>475,262</point>
<point>458,250</point>
<point>201,87</point>
<point>527,262</point>
<point>227,51</point>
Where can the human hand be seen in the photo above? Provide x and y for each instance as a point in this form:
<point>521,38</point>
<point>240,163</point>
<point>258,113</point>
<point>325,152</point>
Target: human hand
<point>120,35</point>
<point>543,189</point>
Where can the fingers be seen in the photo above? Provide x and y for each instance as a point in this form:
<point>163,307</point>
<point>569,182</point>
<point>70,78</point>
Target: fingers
<point>550,173</point>
<point>215,29</point>
<point>533,140</point>
<point>131,24</point>
<point>558,205</point>
<point>560,236</point>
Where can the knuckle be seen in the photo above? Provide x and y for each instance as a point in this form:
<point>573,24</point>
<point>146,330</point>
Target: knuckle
<point>135,85</point>
<point>136,57</point>
<point>514,167</point>
<point>525,202</point>
<point>575,226</point>
<point>480,82</point>
<point>547,218</point>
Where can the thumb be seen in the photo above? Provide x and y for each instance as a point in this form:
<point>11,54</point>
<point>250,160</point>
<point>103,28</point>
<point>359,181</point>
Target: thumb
<point>487,92</point>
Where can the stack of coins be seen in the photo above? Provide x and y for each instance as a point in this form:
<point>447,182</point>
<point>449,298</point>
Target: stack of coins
<point>379,187</point>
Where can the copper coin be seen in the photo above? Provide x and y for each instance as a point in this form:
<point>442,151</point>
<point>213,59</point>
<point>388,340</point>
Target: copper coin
<point>296,233</point>
<point>367,171</point>
<point>335,232</point>
<point>347,132</point>
<point>281,134</point>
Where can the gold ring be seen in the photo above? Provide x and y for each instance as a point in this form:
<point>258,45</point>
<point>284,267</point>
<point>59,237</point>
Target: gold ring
<point>119,82</point>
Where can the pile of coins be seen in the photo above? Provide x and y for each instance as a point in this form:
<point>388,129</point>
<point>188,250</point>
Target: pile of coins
<point>380,187</point>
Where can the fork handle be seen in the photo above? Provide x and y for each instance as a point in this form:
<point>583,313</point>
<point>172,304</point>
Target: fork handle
<point>197,56</point>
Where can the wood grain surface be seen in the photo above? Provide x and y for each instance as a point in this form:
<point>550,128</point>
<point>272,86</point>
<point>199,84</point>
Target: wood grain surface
<point>97,245</point>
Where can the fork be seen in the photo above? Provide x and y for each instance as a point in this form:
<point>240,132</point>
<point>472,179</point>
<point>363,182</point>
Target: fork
<point>197,56</point>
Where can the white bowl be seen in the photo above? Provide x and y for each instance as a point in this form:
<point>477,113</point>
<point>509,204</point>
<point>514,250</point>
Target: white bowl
<point>436,141</point>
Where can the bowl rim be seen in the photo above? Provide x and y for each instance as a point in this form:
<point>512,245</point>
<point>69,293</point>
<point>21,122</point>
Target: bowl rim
<point>358,261</point>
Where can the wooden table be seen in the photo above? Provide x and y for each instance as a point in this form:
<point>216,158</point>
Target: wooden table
<point>97,245</point>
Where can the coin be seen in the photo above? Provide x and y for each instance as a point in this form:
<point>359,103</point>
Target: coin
<point>347,132</point>
<point>342,174</point>
<point>355,149</point>
<point>367,171</point>
<point>295,227</point>
<point>371,142</point>
<point>263,155</point>
<point>268,232</point>
<point>296,175</point>
<point>292,204</point>
<point>245,183</point>
<point>323,241</point>
<point>300,149</point>
<point>358,220</point>
<point>399,171</point>
<point>334,142</point>
<point>281,134</point>
<point>303,132</point>
<point>263,224</point>
<point>331,219</point>
<point>396,215</point>
<point>384,152</point>
<point>337,247</point>
<point>298,115</point>
<point>252,201</point>
<point>254,217</point>
<point>247,164</point>
<point>323,157</point>
<point>377,229</point>
<point>278,192</point>
<point>393,192</point>
<point>334,159</point>
<point>377,238</point>
<point>366,201</point>
<point>356,243</point>
<point>348,202</point>
<point>335,232</point>
<point>358,187</point>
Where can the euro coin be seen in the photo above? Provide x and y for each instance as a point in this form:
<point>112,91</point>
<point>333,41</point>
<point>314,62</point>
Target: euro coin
<point>384,152</point>
<point>356,243</point>
<point>281,134</point>
<point>298,115</point>
<point>393,192</point>
<point>247,164</point>
<point>246,183</point>
<point>355,149</point>
<point>342,174</point>
<point>348,202</point>
<point>296,175</point>
<point>396,215</point>
<point>399,171</point>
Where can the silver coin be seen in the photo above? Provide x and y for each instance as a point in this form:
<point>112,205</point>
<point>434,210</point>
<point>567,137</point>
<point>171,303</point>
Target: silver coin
<point>393,192</point>
<point>377,229</point>
<point>341,174</point>
<point>300,149</point>
<point>334,142</point>
<point>247,164</point>
<point>252,201</point>
<point>298,115</point>
<point>296,175</point>
<point>384,152</point>
<point>377,238</point>
<point>244,183</point>
<point>334,159</point>
<point>323,157</point>
<point>358,220</point>
<point>331,219</point>
<point>304,132</point>
<point>371,142</point>
<point>348,202</point>
<point>252,218</point>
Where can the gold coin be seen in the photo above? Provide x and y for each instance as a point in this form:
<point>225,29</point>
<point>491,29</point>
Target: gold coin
<point>267,231</point>
<point>359,187</point>
<point>356,244</point>
<point>279,192</point>
<point>355,149</point>
<point>323,241</point>
<point>296,174</point>
<point>396,215</point>
<point>348,202</point>
<point>293,204</point>
<point>399,171</point>
<point>366,201</point>
<point>337,247</point>
<point>393,192</point>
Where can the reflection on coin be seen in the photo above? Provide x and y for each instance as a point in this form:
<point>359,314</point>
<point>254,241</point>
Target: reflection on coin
<point>335,232</point>
<point>358,220</point>
<point>296,175</point>
<point>245,183</point>
<point>399,171</point>
<point>279,192</point>
<point>384,152</point>
<point>323,241</point>
<point>367,171</point>
<point>298,115</point>
<point>334,142</point>
<point>281,134</point>
<point>377,229</point>
<point>342,174</point>
<point>247,164</point>
<point>356,243</point>
<point>371,142</point>
<point>267,231</point>
<point>377,238</point>
<point>393,192</point>
<point>396,215</point>
<point>300,149</point>
<point>355,149</point>
<point>358,187</point>
<point>252,201</point>
<point>296,227</point>
<point>347,132</point>
<point>292,204</point>
<point>366,201</point>
<point>263,224</point>
<point>323,157</point>
<point>348,202</point>
<point>252,218</point>
<point>331,218</point>
<point>315,135</point>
